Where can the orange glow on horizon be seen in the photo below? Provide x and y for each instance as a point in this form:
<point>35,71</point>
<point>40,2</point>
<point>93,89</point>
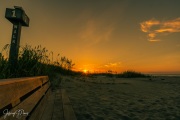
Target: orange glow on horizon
<point>151,68</point>
<point>85,71</point>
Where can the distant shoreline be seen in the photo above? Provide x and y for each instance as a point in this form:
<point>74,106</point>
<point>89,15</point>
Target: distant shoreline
<point>166,75</point>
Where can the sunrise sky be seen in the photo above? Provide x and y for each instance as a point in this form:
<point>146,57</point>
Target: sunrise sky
<point>102,35</point>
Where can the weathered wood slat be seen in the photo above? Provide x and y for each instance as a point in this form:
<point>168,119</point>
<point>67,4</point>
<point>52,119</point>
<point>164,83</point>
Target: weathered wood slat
<point>48,111</point>
<point>67,107</point>
<point>38,113</point>
<point>13,80</point>
<point>58,109</point>
<point>12,89</point>
<point>28,104</point>
<point>65,98</point>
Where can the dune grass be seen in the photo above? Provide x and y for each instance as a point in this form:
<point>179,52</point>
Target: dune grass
<point>34,61</point>
<point>125,74</point>
<point>131,74</point>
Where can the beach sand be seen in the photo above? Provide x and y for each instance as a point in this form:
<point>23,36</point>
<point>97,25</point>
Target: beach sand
<point>105,98</point>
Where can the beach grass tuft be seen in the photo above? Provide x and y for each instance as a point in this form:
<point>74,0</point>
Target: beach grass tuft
<point>131,74</point>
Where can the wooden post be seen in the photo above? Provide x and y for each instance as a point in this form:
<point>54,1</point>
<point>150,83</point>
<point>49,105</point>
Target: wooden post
<point>18,18</point>
<point>15,41</point>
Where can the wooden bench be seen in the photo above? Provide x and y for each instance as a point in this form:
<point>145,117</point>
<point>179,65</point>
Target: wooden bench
<point>30,98</point>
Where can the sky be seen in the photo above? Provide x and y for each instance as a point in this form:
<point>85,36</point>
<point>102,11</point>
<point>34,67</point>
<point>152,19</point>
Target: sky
<point>103,35</point>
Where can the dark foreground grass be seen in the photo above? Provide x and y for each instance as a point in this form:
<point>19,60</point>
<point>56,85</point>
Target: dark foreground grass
<point>34,61</point>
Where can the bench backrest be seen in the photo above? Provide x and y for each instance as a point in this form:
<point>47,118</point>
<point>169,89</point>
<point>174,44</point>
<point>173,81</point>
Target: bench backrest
<point>21,95</point>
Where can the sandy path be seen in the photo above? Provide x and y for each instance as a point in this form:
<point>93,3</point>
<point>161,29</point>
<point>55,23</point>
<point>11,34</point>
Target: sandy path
<point>125,99</point>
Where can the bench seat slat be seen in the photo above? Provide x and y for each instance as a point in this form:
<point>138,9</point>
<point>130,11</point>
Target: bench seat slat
<point>28,104</point>
<point>12,89</point>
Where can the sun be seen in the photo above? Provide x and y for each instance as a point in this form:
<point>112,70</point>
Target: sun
<point>85,71</point>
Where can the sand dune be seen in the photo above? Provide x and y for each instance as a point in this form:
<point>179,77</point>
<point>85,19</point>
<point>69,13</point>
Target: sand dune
<point>102,98</point>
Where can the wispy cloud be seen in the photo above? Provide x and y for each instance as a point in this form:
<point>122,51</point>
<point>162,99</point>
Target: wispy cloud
<point>96,32</point>
<point>114,64</point>
<point>155,27</point>
<point>146,26</point>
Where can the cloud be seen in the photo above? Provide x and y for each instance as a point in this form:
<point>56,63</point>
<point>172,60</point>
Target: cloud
<point>155,27</point>
<point>154,40</point>
<point>96,32</point>
<point>145,26</point>
<point>115,64</point>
